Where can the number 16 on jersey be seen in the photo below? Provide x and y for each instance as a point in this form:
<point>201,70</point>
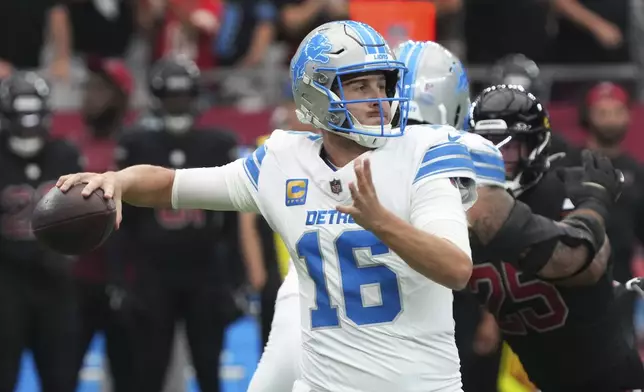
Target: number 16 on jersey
<point>354,279</point>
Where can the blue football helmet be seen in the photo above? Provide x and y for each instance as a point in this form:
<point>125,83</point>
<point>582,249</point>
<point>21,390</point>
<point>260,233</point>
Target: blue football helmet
<point>329,53</point>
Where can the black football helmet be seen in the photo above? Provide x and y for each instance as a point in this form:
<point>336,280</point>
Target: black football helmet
<point>174,85</point>
<point>515,121</point>
<point>26,117</point>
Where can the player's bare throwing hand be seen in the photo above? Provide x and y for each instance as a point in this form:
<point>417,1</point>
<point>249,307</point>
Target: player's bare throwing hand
<point>366,210</point>
<point>112,188</point>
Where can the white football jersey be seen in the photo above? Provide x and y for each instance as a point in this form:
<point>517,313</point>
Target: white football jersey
<point>370,322</point>
<point>488,166</point>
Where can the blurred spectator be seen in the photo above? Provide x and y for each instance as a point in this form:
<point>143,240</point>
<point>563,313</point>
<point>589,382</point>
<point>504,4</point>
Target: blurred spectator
<point>449,25</point>
<point>247,30</point>
<point>495,28</point>
<point>605,114</point>
<point>520,70</point>
<point>183,256</point>
<point>37,296</point>
<point>23,35</point>
<point>187,28</point>
<point>298,17</point>
<point>105,303</point>
<point>105,103</point>
<point>592,31</point>
<point>102,28</point>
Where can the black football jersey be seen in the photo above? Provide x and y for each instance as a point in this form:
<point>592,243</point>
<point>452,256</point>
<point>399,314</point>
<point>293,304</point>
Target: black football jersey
<point>23,182</point>
<point>565,336</point>
<point>174,235</point>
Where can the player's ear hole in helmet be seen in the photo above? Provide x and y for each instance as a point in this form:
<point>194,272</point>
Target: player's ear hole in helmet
<point>329,58</point>
<point>26,117</point>
<point>515,121</point>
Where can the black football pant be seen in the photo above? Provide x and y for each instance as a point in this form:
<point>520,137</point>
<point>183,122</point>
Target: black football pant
<point>37,312</point>
<point>96,314</point>
<point>202,305</point>
<point>479,372</point>
<point>625,376</point>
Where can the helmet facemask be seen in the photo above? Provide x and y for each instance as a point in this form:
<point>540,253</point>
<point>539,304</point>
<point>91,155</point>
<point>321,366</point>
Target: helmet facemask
<point>339,118</point>
<point>175,91</point>
<point>523,152</point>
<point>177,111</point>
<point>27,125</point>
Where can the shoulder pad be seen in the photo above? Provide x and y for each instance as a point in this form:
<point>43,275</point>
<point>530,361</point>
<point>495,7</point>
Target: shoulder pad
<point>284,140</point>
<point>433,133</point>
<point>488,160</point>
<point>439,155</point>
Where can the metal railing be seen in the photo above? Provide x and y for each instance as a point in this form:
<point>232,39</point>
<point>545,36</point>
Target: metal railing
<point>267,85</point>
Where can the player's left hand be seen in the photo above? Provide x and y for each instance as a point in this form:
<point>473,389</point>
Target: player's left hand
<point>596,185</point>
<point>366,210</point>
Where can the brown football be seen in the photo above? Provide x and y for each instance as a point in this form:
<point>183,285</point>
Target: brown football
<point>71,224</point>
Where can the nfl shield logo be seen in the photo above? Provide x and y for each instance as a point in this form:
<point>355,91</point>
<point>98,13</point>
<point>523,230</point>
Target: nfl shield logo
<point>336,186</point>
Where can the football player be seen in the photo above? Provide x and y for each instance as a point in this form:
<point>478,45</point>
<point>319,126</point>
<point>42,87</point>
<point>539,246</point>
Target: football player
<point>538,294</point>
<point>560,317</point>
<point>374,222</point>
<point>447,103</point>
<point>37,296</point>
<point>183,255</point>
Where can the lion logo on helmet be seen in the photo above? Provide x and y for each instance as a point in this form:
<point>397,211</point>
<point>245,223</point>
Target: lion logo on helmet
<point>314,50</point>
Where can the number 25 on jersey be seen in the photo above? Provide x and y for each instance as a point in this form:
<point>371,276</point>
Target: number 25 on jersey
<point>354,279</point>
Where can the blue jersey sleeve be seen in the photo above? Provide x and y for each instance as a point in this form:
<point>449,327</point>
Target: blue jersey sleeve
<point>450,159</point>
<point>253,165</point>
<point>488,166</point>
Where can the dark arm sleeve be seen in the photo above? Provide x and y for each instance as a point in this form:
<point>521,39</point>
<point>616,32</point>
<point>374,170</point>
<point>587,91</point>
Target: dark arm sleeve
<point>528,240</point>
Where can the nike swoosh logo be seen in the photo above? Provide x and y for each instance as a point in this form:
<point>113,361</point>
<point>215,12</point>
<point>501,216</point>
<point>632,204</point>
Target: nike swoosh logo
<point>453,139</point>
